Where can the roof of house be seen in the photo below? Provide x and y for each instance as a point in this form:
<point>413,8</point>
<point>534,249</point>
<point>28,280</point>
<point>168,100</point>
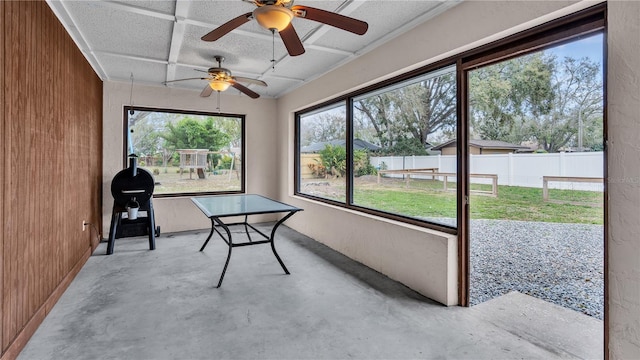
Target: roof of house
<point>483,144</point>
<point>358,144</point>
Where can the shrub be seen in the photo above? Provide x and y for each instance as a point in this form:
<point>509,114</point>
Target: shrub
<point>362,164</point>
<point>334,162</point>
<point>334,159</point>
<point>405,147</point>
<point>317,170</point>
<point>225,162</point>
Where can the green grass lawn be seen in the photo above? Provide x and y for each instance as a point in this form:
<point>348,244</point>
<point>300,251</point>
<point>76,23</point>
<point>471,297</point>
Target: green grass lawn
<point>425,198</point>
<point>422,199</point>
<point>172,181</point>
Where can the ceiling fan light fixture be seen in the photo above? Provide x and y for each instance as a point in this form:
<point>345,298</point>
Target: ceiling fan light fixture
<point>219,85</point>
<point>273,17</point>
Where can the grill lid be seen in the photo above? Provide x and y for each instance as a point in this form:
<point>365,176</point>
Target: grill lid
<point>132,183</point>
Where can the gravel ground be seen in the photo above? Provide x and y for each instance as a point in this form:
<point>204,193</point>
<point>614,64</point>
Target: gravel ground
<point>559,263</point>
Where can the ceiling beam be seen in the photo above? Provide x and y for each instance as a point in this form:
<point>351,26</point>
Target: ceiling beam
<point>345,9</point>
<point>181,13</point>
<point>134,9</point>
<point>131,57</point>
<point>67,21</point>
<point>328,50</point>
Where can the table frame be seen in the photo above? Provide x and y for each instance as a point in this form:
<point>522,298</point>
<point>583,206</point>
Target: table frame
<point>268,239</point>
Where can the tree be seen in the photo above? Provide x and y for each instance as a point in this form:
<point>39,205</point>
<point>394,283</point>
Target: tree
<point>189,133</point>
<point>144,139</point>
<point>426,107</point>
<point>375,112</point>
<point>323,127</point>
<point>141,138</point>
<point>232,127</point>
<point>145,129</point>
<point>137,116</point>
<point>576,109</point>
<point>404,146</point>
<point>503,94</point>
<point>408,114</point>
<point>538,98</point>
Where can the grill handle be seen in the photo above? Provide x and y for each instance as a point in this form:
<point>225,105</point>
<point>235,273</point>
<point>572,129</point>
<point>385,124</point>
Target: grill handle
<point>133,164</point>
<point>132,191</point>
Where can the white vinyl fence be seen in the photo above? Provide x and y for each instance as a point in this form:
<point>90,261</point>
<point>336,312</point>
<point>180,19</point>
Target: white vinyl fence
<point>524,170</point>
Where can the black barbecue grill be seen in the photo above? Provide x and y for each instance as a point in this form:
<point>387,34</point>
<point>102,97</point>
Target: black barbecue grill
<point>132,191</point>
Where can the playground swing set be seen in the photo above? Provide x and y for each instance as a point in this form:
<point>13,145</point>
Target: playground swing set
<point>196,160</point>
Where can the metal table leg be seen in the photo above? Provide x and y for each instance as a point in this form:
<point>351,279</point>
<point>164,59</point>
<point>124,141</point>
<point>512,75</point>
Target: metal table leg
<point>115,220</point>
<point>246,227</point>
<point>228,239</point>
<point>273,247</point>
<point>230,243</point>
<point>213,227</point>
<point>152,226</point>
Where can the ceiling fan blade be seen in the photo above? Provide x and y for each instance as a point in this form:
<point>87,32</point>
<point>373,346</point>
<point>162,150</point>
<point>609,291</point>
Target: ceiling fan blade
<point>330,18</point>
<point>198,78</point>
<point>206,91</point>
<point>292,41</point>
<point>244,89</point>
<point>227,27</point>
<point>249,80</point>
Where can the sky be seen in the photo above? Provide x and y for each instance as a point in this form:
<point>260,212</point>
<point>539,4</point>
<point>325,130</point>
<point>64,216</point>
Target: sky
<point>590,47</point>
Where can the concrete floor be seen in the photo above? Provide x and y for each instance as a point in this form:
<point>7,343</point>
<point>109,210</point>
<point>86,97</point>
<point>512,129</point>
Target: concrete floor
<point>163,304</point>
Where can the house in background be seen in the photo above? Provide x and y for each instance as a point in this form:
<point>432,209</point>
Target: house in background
<point>482,147</point>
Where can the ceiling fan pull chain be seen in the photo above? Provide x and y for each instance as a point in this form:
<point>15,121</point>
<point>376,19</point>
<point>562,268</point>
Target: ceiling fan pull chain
<point>131,96</point>
<point>218,107</point>
<point>273,49</point>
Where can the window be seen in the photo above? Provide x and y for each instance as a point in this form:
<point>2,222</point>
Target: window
<point>187,152</point>
<point>322,152</point>
<point>395,168</point>
<point>373,151</point>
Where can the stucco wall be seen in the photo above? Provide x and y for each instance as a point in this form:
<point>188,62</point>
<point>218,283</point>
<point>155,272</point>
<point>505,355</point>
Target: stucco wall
<point>179,214</point>
<point>623,251</point>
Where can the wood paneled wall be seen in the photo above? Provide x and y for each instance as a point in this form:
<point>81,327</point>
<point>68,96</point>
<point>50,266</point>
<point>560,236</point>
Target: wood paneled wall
<point>50,156</point>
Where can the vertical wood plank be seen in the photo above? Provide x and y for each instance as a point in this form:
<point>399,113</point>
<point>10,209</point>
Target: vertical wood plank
<point>3,138</point>
<point>7,8</point>
<point>51,123</point>
<point>29,293</point>
<point>46,95</point>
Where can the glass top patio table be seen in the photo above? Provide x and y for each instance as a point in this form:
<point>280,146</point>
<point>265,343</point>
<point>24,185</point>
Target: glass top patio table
<point>240,204</point>
<point>221,206</point>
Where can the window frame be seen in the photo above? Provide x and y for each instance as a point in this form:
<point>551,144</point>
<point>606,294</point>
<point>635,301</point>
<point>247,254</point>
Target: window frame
<point>555,32</point>
<point>348,99</point>
<point>242,118</point>
<point>298,171</point>
<point>565,29</point>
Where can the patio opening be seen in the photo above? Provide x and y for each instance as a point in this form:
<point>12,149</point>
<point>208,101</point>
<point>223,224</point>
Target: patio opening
<point>536,122</point>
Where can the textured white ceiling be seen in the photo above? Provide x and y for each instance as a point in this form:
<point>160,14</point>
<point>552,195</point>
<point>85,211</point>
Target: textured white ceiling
<point>158,41</point>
